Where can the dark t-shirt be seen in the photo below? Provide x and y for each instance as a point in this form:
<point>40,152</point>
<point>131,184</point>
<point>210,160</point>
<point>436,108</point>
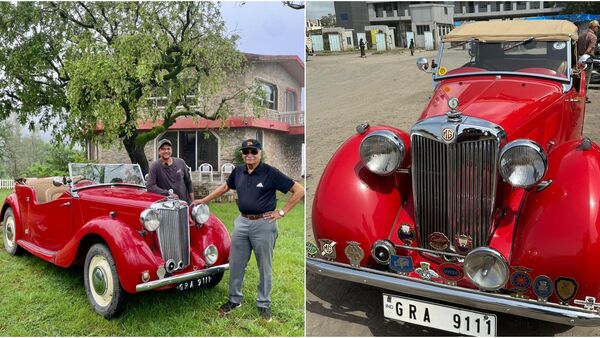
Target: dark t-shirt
<point>176,176</point>
<point>256,191</point>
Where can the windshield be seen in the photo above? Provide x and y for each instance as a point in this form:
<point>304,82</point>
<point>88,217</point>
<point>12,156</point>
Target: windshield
<point>542,58</point>
<point>85,174</point>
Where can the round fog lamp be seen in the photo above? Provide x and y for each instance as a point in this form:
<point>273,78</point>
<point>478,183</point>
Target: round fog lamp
<point>211,254</point>
<point>382,152</point>
<point>382,251</point>
<point>522,163</point>
<point>486,268</point>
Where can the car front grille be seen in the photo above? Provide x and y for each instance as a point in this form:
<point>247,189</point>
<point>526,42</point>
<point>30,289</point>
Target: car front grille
<point>454,187</point>
<point>174,233</point>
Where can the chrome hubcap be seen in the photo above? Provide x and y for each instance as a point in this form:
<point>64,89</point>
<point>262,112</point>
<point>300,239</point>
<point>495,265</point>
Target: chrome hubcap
<point>99,280</point>
<point>10,231</point>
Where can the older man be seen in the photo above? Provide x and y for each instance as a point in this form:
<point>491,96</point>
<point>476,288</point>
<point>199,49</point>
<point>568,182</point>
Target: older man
<point>256,227</point>
<point>170,173</point>
<point>587,45</point>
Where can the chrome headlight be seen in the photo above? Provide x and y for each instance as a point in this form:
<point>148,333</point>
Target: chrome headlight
<point>522,163</point>
<point>486,268</point>
<point>150,219</point>
<point>211,254</point>
<point>382,152</point>
<point>200,213</point>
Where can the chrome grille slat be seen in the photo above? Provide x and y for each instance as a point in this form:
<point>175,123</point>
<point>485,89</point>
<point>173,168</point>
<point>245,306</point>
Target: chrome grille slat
<point>174,234</point>
<point>455,185</point>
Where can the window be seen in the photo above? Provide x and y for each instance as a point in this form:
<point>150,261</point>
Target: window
<point>290,101</point>
<point>343,17</point>
<point>483,7</point>
<point>508,6</point>
<point>445,10</point>
<point>348,40</point>
<point>421,29</point>
<point>458,7</point>
<point>270,91</point>
<point>470,7</point>
<point>208,149</point>
<point>534,5</point>
<point>496,6</point>
<point>187,144</point>
<point>521,5</point>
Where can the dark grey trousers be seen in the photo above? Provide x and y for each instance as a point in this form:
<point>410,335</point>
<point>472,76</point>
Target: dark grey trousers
<point>258,236</point>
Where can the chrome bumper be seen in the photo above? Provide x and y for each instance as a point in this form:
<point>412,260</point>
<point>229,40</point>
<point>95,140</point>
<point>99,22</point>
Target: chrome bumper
<point>180,278</point>
<point>550,312</point>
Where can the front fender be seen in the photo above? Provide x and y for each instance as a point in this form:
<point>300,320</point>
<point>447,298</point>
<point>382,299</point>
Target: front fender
<point>559,228</point>
<point>213,232</point>
<point>352,203</point>
<point>131,254</point>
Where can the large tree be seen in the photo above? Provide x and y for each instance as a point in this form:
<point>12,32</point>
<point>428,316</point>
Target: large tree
<point>77,67</point>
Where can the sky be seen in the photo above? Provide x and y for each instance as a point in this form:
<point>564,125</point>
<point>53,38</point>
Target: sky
<point>318,9</point>
<point>265,27</point>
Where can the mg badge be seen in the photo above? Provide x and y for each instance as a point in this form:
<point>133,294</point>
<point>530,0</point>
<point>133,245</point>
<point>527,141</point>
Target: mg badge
<point>354,253</point>
<point>311,249</point>
<point>448,134</point>
<point>520,281</point>
<point>425,272</point>
<point>402,264</point>
<point>566,288</point>
<point>543,288</point>
<point>406,234</point>
<point>451,272</point>
<point>463,243</point>
<point>438,241</point>
<point>327,249</point>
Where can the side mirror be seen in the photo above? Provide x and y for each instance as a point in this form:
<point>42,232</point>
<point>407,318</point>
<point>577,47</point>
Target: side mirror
<point>57,181</point>
<point>422,64</point>
<point>584,61</point>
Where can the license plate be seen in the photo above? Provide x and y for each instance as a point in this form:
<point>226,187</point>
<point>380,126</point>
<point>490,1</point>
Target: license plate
<point>194,283</point>
<point>441,317</point>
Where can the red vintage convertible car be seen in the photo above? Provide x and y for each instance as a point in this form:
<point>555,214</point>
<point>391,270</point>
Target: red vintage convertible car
<point>128,239</point>
<point>490,203</point>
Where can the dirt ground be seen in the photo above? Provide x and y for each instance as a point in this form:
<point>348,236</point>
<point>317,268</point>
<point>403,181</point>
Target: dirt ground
<point>343,91</point>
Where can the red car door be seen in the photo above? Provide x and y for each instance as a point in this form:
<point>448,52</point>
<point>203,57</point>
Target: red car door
<point>51,223</point>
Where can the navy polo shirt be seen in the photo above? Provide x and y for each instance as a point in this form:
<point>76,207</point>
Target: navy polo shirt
<point>256,191</point>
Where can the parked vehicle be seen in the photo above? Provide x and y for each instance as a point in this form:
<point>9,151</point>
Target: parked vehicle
<point>129,240</point>
<point>489,204</point>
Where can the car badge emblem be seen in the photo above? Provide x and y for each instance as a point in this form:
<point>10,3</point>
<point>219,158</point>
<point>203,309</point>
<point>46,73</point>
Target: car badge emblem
<point>565,288</point>
<point>354,253</point>
<point>448,134</point>
<point>438,241</point>
<point>543,288</point>
<point>311,249</point>
<point>425,272</point>
<point>520,280</point>
<point>402,264</point>
<point>406,234</point>
<point>450,272</point>
<point>589,303</point>
<point>463,243</point>
<point>328,249</point>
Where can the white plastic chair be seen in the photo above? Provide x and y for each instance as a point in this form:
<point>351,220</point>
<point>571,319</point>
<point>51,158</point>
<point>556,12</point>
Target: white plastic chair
<point>205,168</point>
<point>226,168</point>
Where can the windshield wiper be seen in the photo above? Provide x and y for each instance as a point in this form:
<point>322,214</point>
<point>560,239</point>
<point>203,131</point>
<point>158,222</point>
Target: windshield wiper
<point>519,44</point>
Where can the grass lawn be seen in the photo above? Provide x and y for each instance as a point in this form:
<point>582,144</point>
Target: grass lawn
<point>40,299</point>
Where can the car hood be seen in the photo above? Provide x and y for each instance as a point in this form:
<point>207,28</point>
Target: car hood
<point>508,101</point>
<point>127,202</point>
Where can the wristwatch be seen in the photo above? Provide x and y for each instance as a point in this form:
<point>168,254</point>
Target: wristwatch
<point>281,213</point>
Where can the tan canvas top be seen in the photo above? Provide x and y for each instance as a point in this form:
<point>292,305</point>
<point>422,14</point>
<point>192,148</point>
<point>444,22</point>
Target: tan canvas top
<point>514,30</point>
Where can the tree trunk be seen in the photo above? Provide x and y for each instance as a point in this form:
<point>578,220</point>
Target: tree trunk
<point>136,153</point>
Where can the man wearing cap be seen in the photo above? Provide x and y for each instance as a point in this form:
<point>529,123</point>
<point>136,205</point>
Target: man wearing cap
<point>587,45</point>
<point>256,227</point>
<point>170,173</point>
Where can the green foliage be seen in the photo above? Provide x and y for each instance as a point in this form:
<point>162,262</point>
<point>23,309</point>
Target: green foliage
<point>55,162</point>
<point>72,66</point>
<point>581,7</point>
<point>328,20</point>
